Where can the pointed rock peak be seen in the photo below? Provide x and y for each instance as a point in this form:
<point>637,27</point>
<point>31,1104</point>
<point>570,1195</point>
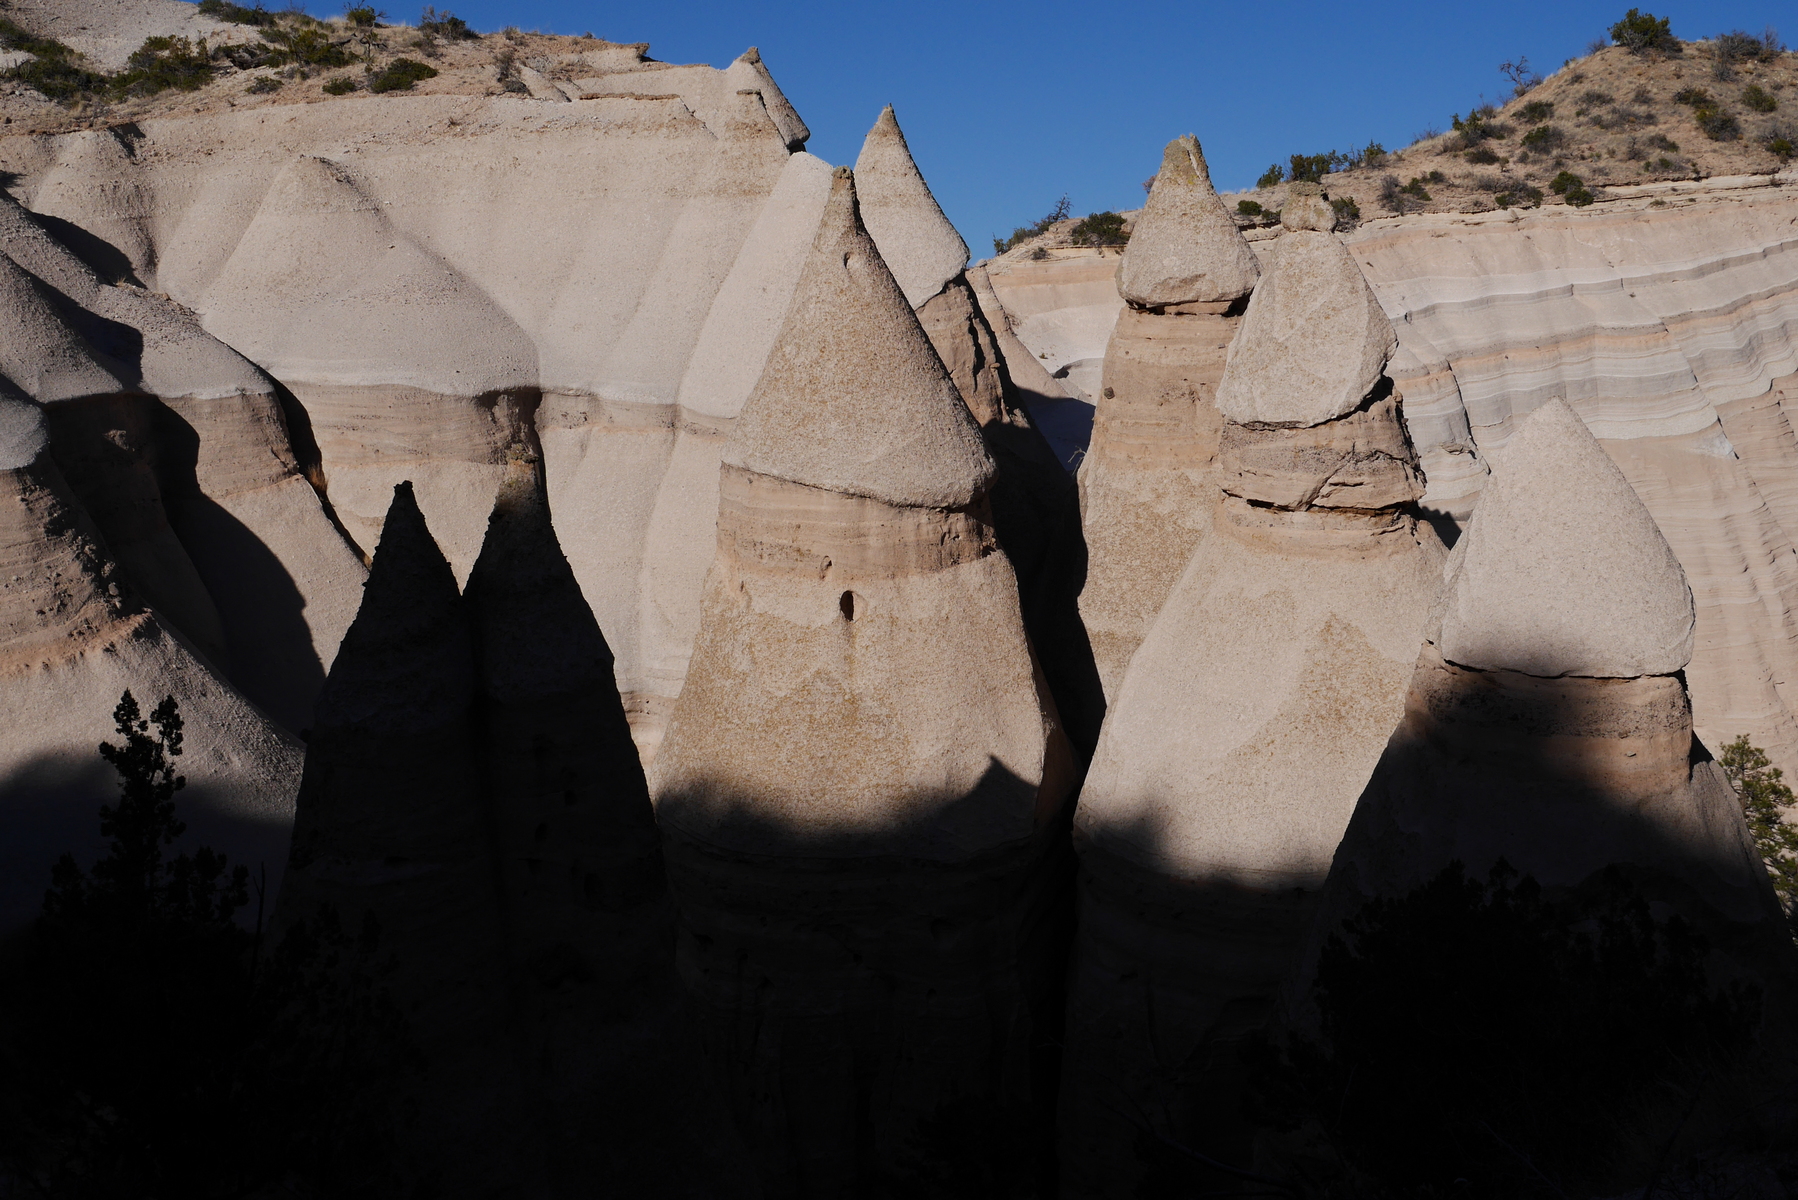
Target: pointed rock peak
<point>1565,572</point>
<point>1185,248</point>
<point>853,398</point>
<point>406,663</point>
<point>1313,343</point>
<point>1307,207</point>
<point>536,635</point>
<point>317,186</point>
<point>40,353</point>
<point>792,129</point>
<point>919,244</point>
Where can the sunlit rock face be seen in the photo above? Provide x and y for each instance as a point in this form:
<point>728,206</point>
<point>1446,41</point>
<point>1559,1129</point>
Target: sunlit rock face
<point>1566,751</point>
<point>1147,480</point>
<point>863,780</point>
<point>1241,735</point>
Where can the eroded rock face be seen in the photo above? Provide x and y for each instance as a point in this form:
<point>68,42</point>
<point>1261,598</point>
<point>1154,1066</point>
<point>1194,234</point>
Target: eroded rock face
<point>1185,248</point>
<point>1228,767</point>
<point>861,870</point>
<point>1307,207</point>
<point>920,246</point>
<point>1564,777</point>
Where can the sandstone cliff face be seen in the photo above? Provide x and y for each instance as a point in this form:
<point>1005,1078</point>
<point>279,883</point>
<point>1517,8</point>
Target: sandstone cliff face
<point>1244,729</point>
<point>861,797</point>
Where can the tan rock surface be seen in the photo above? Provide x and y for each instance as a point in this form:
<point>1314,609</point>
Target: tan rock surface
<point>921,248</point>
<point>1185,249</point>
<point>839,749</point>
<point>1306,207</point>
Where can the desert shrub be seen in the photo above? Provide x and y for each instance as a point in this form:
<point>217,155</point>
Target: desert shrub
<point>1639,32</point>
<point>306,46</point>
<point>1519,196</point>
<point>399,75</point>
<point>445,24</point>
<point>1543,138</point>
<point>162,63</point>
<point>1536,112</point>
<point>1346,208</point>
<point>362,16</point>
<point>236,14</point>
<point>263,84</point>
<point>1738,46</point>
<point>1779,143</point>
<point>1718,125</point>
<point>1596,99</point>
<point>1765,800</point>
<point>1249,208</point>
<point>1042,224</point>
<point>1758,98</point>
<point>56,70</point>
<point>1272,177</point>
<point>1579,196</point>
<point>1661,141</point>
<point>1311,168</point>
<point>1372,155</point>
<point>1696,97</point>
<point>342,85</point>
<point>1394,197</point>
<point>1480,125</point>
<point>1522,78</point>
<point>1099,229</point>
<point>1415,189</point>
<point>1481,156</point>
<point>1488,1040</point>
<point>1560,183</point>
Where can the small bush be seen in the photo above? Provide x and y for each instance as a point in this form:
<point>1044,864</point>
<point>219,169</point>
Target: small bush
<point>1543,138</point>
<point>362,16</point>
<point>236,14</point>
<point>1758,98</point>
<point>1639,32</point>
<point>1765,800</point>
<point>1249,208</point>
<point>1415,189</point>
<point>162,63</point>
<point>1311,168</point>
<point>1718,125</point>
<point>445,24</point>
<point>343,85</point>
<point>263,84</point>
<point>400,74</point>
<point>1737,46</point>
<point>1024,233</point>
<point>1697,97</point>
<point>1481,156</point>
<point>1274,176</point>
<point>1566,179</point>
<point>1479,126</point>
<point>1536,112</point>
<point>1661,141</point>
<point>1523,196</point>
<point>1393,197</point>
<point>1579,196</point>
<point>1371,156</point>
<point>1597,99</point>
<point>1099,229</point>
<point>55,71</point>
<point>1346,209</point>
<point>304,46</point>
<point>1779,145</point>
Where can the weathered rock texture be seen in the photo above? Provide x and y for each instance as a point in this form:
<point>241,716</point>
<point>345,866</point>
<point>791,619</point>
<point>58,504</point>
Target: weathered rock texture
<point>920,246</point>
<point>1147,482</point>
<point>1230,761</point>
<point>860,797</point>
<point>1568,768</point>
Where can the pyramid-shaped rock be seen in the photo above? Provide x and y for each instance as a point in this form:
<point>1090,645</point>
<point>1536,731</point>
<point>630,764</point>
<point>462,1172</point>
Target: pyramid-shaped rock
<point>920,246</point>
<point>1185,249</point>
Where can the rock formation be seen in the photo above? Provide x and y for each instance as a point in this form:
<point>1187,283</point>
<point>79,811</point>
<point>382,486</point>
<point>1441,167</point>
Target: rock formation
<point>1243,732</point>
<point>1146,483</point>
<point>861,798</point>
<point>1547,724</point>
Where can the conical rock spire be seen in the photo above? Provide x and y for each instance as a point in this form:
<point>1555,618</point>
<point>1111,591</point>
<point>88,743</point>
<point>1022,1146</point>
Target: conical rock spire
<point>919,244</point>
<point>39,352</point>
<point>1564,572</point>
<point>749,72</point>
<point>1185,248</point>
<point>854,398</point>
<point>1314,340</point>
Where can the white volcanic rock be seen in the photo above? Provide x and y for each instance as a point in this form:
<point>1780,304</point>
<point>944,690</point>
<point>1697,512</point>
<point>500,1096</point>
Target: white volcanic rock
<point>39,353</point>
<point>1307,208</point>
<point>748,71</point>
<point>919,245</point>
<point>1185,248</point>
<point>850,786</point>
<point>853,398</point>
<point>1564,571</point>
<point>1314,340</point>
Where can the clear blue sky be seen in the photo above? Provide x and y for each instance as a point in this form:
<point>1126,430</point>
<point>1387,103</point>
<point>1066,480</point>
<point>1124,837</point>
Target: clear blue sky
<point>1007,106</point>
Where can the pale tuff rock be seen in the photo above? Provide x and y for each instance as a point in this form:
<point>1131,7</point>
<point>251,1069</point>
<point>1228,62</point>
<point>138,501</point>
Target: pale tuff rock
<point>853,399</point>
<point>22,432</point>
<point>1550,585</point>
<point>39,353</point>
<point>749,71</point>
<point>1185,248</point>
<point>1307,207</point>
<point>1230,761</point>
<point>852,787</point>
<point>919,245</point>
<point>1313,341</point>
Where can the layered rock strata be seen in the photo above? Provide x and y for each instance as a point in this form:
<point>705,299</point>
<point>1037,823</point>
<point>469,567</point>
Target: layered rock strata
<point>1146,483</point>
<point>861,799</point>
<point>1547,724</point>
<point>1244,730</point>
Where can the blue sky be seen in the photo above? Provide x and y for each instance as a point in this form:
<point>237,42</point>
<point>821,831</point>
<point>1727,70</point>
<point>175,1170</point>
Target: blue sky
<point>1008,106</point>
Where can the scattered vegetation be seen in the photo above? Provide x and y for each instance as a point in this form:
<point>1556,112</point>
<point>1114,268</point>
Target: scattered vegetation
<point>341,85</point>
<point>1249,208</point>
<point>236,14</point>
<point>1024,233</point>
<point>1572,188</point>
<point>1519,196</point>
<point>1483,156</point>
<point>161,63</point>
<point>1494,1040</point>
<point>446,25</point>
<point>1536,112</point>
<point>1765,800</point>
<point>56,70</point>
<point>1481,124</point>
<point>362,16</point>
<point>1736,48</point>
<point>263,84</point>
<point>305,46</point>
<point>1758,99</point>
<point>1099,229</point>
<point>1523,80</point>
<point>1274,176</point>
<point>1639,32</point>
<point>399,75</point>
<point>1543,138</point>
<point>1346,209</point>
